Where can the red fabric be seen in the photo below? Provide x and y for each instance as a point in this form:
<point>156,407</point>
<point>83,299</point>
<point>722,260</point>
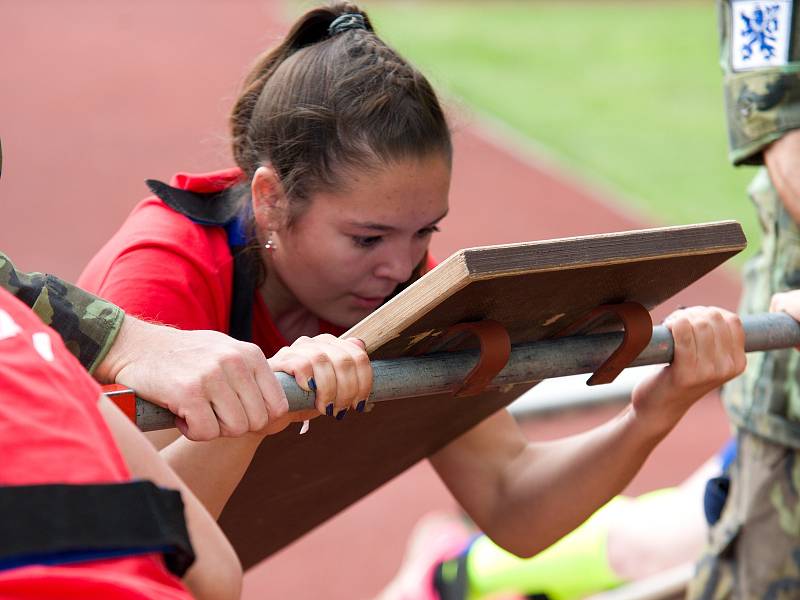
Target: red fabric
<point>139,578</point>
<point>430,263</point>
<point>163,267</point>
<point>52,432</point>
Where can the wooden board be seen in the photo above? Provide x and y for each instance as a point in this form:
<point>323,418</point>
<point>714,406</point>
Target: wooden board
<point>534,289</point>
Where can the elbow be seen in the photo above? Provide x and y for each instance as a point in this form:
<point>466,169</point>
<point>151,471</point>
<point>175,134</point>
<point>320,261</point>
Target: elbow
<point>233,585</point>
<point>222,581</point>
<point>230,582</point>
<point>521,550</point>
<point>511,541</point>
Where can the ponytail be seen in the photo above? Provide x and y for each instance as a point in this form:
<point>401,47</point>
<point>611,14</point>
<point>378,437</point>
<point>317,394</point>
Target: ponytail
<point>328,99</point>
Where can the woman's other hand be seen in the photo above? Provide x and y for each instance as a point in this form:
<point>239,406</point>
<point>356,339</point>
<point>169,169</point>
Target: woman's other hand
<point>709,350</point>
<point>337,370</point>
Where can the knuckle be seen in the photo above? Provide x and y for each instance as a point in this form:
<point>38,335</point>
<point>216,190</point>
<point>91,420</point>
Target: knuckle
<point>203,432</point>
<point>319,356</point>
<point>681,333</point>
<point>279,408</point>
<point>283,351</point>
<point>252,349</point>
<point>702,324</point>
<point>207,377</point>
<point>260,421</point>
<point>346,361</point>
<point>361,359</point>
<point>191,390</point>
<point>237,428</point>
<point>235,365</point>
<point>190,404</point>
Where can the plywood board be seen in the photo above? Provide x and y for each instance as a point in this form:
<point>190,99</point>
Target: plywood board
<point>535,289</point>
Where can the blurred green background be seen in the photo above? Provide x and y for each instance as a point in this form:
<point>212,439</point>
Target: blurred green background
<point>627,94</point>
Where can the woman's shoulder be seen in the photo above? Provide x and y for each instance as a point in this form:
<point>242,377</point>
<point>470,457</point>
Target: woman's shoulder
<point>153,225</point>
<point>153,232</point>
<point>152,222</point>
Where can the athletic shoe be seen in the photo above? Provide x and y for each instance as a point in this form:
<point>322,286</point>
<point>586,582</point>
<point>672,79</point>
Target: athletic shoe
<point>437,537</point>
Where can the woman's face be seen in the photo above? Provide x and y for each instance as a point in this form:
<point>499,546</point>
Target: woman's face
<point>348,251</point>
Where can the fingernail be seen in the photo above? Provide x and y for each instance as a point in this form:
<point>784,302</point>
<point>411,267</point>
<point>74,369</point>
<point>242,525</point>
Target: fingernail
<point>340,415</point>
<point>329,409</point>
<point>360,406</point>
<point>312,385</point>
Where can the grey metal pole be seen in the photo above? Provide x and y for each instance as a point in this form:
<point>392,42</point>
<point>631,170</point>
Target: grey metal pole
<point>529,363</point>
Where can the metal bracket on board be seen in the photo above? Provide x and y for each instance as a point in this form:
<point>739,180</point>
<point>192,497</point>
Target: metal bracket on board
<point>638,329</point>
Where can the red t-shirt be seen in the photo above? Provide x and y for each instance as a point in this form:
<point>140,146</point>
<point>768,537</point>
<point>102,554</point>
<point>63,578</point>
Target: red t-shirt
<point>52,432</point>
<point>163,267</point>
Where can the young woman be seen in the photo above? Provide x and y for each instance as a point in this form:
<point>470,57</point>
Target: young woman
<point>343,169</point>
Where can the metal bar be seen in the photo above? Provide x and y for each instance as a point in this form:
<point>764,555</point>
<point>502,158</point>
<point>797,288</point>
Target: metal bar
<point>531,362</point>
<point>572,392</point>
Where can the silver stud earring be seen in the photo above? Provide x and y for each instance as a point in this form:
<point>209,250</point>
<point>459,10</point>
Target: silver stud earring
<point>270,244</point>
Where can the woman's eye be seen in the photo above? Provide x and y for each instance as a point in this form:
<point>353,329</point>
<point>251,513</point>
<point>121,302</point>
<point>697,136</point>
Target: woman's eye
<point>366,241</point>
<point>427,231</point>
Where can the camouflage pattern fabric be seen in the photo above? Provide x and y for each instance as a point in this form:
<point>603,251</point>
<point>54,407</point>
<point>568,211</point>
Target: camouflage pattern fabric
<point>87,324</point>
<point>754,550</point>
<point>761,103</point>
<point>765,400</point>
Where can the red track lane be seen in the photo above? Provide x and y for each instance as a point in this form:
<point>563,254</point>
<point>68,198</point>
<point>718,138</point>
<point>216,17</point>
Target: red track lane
<point>97,96</point>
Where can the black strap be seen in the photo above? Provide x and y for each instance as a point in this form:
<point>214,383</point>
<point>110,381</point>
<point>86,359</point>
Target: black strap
<point>221,209</point>
<point>245,275</point>
<point>214,208</point>
<point>60,523</point>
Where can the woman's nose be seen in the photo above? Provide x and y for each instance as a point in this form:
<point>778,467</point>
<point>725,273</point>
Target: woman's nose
<point>397,266</point>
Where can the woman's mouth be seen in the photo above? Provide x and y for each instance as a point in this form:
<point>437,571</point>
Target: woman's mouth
<point>368,302</point>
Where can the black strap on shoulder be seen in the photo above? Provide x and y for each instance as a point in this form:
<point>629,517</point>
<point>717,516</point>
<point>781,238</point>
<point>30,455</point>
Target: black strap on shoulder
<point>60,523</point>
<point>245,275</point>
<point>221,209</point>
<point>215,208</point>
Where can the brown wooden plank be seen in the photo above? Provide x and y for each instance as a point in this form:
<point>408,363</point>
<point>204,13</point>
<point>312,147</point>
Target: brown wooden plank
<point>535,289</point>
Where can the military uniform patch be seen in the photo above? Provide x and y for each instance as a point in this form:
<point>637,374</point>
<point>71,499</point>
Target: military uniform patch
<point>760,33</point>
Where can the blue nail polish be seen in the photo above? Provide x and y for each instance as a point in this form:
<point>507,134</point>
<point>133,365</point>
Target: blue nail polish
<point>340,415</point>
<point>329,410</point>
<point>360,406</point>
<point>312,385</point>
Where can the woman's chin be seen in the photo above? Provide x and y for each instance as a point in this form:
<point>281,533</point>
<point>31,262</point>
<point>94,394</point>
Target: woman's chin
<point>346,319</point>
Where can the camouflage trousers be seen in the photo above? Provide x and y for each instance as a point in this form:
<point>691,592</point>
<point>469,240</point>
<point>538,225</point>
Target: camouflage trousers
<point>754,549</point>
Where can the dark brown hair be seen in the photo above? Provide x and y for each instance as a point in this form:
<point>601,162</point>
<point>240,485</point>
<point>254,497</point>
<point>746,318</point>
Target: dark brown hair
<point>320,106</point>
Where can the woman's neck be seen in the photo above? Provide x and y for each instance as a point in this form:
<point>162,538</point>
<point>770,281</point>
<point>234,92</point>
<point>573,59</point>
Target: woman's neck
<point>290,317</point>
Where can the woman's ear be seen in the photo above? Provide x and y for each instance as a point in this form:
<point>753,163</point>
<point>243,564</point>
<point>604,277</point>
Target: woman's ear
<point>269,201</point>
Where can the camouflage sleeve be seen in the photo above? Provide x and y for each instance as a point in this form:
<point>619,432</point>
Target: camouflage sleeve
<point>760,59</point>
<point>87,324</point>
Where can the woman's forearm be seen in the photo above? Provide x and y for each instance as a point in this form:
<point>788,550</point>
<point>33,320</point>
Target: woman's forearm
<point>555,486</point>
<point>212,470</point>
<point>526,495</point>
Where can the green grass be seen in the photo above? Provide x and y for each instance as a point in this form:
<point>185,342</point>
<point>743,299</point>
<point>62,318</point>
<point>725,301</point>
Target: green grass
<point>626,93</point>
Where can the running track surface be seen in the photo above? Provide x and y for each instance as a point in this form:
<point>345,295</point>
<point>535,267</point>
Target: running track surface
<point>98,96</point>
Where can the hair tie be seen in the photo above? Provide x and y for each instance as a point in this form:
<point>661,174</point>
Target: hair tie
<point>346,22</point>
